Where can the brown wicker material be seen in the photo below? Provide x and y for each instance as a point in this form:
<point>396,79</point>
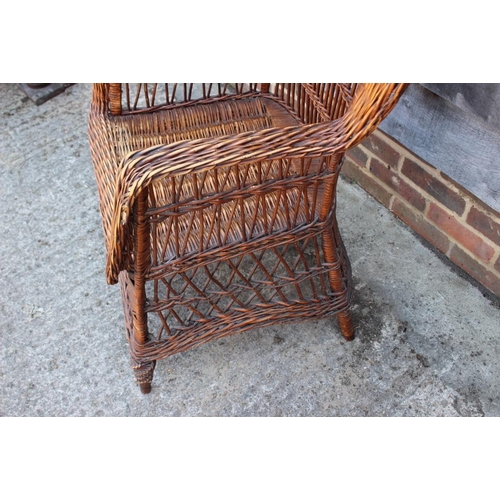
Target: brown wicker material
<point>218,205</point>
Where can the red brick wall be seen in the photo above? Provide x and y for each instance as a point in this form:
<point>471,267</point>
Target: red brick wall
<point>450,218</point>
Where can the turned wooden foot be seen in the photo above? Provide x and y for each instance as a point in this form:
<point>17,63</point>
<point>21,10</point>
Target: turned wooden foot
<point>145,387</point>
<point>346,326</point>
<point>144,376</point>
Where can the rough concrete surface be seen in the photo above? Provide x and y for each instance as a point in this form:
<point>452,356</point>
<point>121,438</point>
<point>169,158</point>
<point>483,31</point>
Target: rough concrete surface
<point>428,339</point>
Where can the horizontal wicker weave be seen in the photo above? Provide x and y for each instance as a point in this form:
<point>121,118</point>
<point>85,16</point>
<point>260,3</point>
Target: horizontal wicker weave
<point>218,205</point>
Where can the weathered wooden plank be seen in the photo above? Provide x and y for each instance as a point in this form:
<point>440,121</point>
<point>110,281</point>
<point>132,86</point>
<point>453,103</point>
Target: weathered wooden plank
<point>480,99</point>
<point>40,95</point>
<point>456,142</point>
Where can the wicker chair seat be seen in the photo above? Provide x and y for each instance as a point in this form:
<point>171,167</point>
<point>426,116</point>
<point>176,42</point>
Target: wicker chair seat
<point>139,131</point>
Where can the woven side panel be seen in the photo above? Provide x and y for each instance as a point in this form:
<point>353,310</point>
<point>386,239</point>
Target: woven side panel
<point>209,212</point>
<point>285,276</point>
<point>287,283</point>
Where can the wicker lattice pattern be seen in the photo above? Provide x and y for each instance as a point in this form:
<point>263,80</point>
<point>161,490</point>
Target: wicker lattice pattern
<point>136,98</point>
<point>218,205</point>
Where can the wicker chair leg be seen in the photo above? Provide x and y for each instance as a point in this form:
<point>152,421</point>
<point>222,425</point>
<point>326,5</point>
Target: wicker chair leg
<point>144,376</point>
<point>345,323</point>
<point>331,249</point>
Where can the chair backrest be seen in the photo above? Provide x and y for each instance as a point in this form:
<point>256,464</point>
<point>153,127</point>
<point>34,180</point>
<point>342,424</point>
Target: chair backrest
<point>310,102</point>
<point>125,98</point>
<point>315,102</point>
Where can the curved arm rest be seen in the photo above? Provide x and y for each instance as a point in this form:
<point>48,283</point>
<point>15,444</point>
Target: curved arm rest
<point>140,168</point>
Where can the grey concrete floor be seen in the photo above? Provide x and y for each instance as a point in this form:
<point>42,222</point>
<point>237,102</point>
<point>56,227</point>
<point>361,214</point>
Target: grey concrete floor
<point>428,339</point>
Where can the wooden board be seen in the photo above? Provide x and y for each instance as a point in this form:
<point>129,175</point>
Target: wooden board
<point>456,142</point>
<point>43,94</point>
<point>479,99</point>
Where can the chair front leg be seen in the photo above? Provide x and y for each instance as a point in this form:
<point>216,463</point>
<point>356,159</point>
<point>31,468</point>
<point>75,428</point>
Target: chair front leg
<point>143,371</point>
<point>334,256</point>
<point>144,375</point>
<point>334,251</point>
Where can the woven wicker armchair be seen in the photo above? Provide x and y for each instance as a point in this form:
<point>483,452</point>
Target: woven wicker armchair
<point>218,205</point>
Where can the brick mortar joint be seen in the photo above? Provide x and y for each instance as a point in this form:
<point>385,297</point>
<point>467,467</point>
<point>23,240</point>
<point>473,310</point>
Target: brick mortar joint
<point>496,255</point>
<point>392,199</point>
<point>467,209</point>
<point>368,165</point>
<point>370,154</point>
<point>399,165</point>
<point>425,212</point>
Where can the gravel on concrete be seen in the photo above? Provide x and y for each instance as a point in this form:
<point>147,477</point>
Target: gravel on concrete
<point>428,337</point>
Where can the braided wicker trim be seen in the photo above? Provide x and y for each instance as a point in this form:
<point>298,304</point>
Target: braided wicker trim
<point>144,372</point>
